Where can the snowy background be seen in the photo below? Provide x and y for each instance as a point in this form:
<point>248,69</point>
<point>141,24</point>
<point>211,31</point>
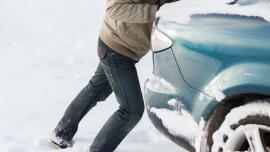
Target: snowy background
<point>47,54</point>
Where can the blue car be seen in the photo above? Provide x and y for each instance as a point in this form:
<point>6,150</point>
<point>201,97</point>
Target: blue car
<point>210,88</point>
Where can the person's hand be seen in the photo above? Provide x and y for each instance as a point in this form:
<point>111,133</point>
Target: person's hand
<point>159,3</point>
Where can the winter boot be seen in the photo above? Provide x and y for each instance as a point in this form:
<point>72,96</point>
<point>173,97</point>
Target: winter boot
<point>60,142</point>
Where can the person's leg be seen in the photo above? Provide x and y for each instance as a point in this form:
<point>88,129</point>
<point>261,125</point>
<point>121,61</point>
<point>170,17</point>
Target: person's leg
<point>98,89</point>
<point>122,75</point>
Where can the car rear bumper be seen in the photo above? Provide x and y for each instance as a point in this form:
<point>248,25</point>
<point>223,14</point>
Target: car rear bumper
<point>175,109</point>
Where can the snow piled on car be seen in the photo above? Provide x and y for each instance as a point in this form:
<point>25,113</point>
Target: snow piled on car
<point>180,122</point>
<point>187,8</point>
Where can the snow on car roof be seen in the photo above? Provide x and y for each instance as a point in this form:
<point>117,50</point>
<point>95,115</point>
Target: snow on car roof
<point>182,10</point>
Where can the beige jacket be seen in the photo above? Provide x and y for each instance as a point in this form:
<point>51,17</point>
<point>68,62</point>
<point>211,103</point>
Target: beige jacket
<point>127,26</point>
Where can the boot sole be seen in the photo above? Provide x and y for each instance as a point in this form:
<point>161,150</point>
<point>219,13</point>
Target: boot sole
<point>57,146</point>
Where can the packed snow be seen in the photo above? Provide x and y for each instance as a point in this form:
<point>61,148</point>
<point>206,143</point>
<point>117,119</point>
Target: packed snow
<point>158,84</point>
<point>187,8</point>
<point>216,92</point>
<point>47,55</point>
<point>180,123</point>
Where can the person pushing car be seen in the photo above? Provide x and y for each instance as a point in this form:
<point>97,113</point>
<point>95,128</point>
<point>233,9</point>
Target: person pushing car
<point>124,39</point>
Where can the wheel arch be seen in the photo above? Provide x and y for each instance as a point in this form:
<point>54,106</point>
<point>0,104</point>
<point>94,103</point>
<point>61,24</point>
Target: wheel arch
<point>244,78</point>
<point>235,86</point>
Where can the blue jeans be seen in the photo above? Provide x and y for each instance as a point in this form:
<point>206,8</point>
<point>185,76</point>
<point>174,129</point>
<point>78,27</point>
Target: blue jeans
<point>116,73</point>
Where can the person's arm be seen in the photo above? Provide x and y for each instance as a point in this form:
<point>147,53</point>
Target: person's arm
<point>130,11</point>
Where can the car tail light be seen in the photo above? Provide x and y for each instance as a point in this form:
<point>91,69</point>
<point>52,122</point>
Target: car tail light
<point>159,41</point>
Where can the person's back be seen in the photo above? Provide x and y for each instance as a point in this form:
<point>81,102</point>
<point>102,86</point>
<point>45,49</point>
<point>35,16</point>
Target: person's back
<point>127,26</point>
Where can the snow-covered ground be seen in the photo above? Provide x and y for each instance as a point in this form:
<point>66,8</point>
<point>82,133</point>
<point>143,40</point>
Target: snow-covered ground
<point>47,54</point>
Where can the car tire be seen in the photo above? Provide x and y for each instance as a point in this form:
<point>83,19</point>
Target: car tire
<point>245,128</point>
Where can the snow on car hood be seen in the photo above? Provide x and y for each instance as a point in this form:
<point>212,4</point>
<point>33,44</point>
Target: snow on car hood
<point>182,10</point>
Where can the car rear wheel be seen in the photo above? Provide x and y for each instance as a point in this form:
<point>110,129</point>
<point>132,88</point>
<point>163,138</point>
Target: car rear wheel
<point>245,128</point>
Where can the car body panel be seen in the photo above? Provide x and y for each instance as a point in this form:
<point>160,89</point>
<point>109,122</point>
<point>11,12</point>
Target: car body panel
<point>212,58</point>
<point>196,105</point>
<point>240,79</point>
<point>212,44</point>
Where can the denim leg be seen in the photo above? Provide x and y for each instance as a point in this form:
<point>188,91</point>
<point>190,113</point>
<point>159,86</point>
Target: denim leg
<point>122,75</point>
<point>98,89</point>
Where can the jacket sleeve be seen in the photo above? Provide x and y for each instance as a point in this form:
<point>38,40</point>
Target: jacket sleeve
<point>131,11</point>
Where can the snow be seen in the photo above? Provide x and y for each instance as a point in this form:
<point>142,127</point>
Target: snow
<point>47,55</point>
<point>215,91</point>
<point>187,8</point>
<point>261,108</point>
<point>251,109</point>
<point>201,135</point>
<point>158,84</point>
<point>180,123</point>
<point>175,123</point>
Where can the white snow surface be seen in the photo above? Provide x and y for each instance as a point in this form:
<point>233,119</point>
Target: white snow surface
<point>158,84</point>
<point>174,122</point>
<point>187,8</point>
<point>47,55</point>
<point>180,123</point>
